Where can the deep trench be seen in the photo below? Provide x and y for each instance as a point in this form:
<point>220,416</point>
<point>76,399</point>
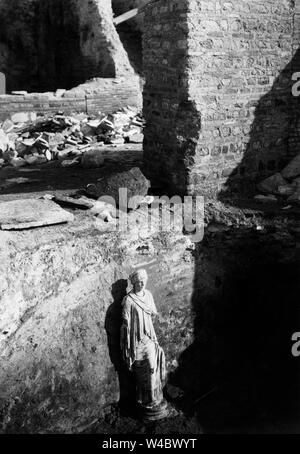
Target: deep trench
<point>238,375</point>
<point>242,334</point>
<point>245,305</point>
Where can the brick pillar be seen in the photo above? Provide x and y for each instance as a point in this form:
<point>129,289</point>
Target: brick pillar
<point>218,91</point>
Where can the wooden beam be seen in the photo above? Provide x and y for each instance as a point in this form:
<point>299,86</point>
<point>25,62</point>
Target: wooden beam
<point>126,16</point>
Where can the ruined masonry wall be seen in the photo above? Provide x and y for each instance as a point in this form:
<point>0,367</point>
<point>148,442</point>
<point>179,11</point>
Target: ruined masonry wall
<point>46,45</point>
<point>218,93</point>
<point>107,96</point>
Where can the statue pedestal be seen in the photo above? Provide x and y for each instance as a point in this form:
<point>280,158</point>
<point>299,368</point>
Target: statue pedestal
<point>154,413</point>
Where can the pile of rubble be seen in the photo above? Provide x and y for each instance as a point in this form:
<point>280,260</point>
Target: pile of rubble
<point>282,186</point>
<point>60,136</point>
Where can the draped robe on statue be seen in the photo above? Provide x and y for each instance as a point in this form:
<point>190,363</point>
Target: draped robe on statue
<point>140,349</point>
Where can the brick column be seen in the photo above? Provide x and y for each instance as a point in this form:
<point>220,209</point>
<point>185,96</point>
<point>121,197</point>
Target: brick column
<point>218,91</point>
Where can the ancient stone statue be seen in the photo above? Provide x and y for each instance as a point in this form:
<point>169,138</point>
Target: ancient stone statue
<point>140,349</point>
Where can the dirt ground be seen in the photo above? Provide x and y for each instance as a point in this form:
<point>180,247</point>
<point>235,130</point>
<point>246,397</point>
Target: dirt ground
<point>51,178</point>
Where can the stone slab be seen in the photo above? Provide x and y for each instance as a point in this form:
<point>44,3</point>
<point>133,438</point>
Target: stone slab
<point>28,213</point>
<point>132,180</point>
<point>82,202</point>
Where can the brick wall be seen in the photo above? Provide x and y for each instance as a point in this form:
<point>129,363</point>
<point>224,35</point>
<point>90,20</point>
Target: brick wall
<point>218,94</point>
<point>165,92</point>
<point>108,96</point>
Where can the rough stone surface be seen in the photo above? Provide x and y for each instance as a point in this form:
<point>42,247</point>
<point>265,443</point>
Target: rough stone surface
<point>295,198</point>
<point>78,41</point>
<point>133,180</point>
<point>271,184</point>
<point>292,170</point>
<point>28,213</point>
<point>131,31</point>
<point>266,198</point>
<point>59,44</point>
<point>82,202</point>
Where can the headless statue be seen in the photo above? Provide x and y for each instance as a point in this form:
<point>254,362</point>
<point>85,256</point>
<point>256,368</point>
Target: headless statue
<point>140,349</point>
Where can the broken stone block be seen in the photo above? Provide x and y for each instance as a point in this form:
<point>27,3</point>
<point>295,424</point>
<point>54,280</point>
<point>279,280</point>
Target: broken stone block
<point>60,92</point>
<point>71,141</point>
<point>61,154</point>
<point>53,139</point>
<point>292,170</point>
<point>8,126</point>
<point>94,123</point>
<point>31,159</point>
<point>27,213</point>
<point>92,159</point>
<point>21,149</point>
<point>4,141</point>
<point>137,138</point>
<point>18,162</point>
<point>295,198</point>
<point>19,92</point>
<point>106,125</point>
<point>82,202</point>
<point>23,117</point>
<point>286,190</point>
<point>70,162</point>
<point>12,136</point>
<point>131,180</point>
<point>265,198</point>
<point>28,142</point>
<point>117,140</point>
<point>41,143</point>
<point>48,155</point>
<point>88,130</point>
<point>20,180</point>
<point>270,185</point>
<point>104,209</point>
<point>296,183</point>
<point>9,154</point>
<point>35,159</point>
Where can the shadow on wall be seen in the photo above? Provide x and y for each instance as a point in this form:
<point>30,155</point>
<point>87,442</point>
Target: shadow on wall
<point>131,39</point>
<point>176,152</point>
<point>50,44</point>
<point>67,54</point>
<point>246,306</point>
<point>113,321</point>
<point>274,133</point>
<point>17,47</point>
<point>246,298</point>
